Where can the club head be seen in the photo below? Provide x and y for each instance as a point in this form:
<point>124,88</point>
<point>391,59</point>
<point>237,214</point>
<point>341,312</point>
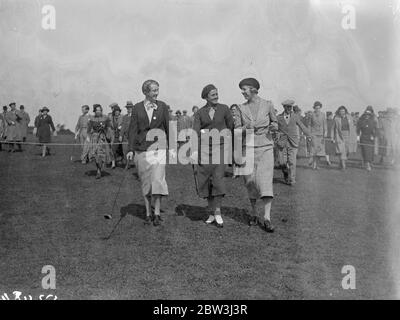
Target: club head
<point>108,216</point>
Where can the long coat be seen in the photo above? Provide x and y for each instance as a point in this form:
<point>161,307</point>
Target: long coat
<point>24,122</point>
<point>44,124</point>
<point>341,141</point>
<point>13,119</point>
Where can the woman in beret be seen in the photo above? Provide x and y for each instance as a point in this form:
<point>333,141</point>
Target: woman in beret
<point>210,171</point>
<point>45,128</point>
<point>318,132</point>
<point>99,148</point>
<point>345,135</point>
<point>258,115</point>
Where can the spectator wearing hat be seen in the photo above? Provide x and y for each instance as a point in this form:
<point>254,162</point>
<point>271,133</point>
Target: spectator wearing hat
<point>100,151</point>
<point>257,117</point>
<point>210,171</point>
<point>151,116</point>
<point>123,135</point>
<point>116,126</point>
<point>318,133</point>
<point>330,148</point>
<point>14,133</point>
<point>81,133</point>
<point>289,124</point>
<point>45,128</point>
<point>367,130</point>
<point>345,135</point>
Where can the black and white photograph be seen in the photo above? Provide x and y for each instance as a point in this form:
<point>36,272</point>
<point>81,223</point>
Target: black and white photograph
<point>226,151</point>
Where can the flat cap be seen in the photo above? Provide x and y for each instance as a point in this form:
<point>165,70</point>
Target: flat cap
<point>288,102</point>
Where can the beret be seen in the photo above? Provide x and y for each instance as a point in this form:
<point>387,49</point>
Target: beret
<point>206,90</point>
<point>117,108</point>
<point>113,105</point>
<point>317,103</point>
<point>249,82</point>
<point>288,102</point>
<point>85,106</point>
<point>12,104</point>
<point>45,109</point>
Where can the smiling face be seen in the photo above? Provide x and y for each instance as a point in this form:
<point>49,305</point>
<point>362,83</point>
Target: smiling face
<point>212,96</point>
<point>248,92</point>
<point>152,92</point>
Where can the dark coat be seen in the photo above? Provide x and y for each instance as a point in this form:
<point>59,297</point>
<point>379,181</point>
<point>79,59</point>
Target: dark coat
<point>43,128</point>
<point>140,126</point>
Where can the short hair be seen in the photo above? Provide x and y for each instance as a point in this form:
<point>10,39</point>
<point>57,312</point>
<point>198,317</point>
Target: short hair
<point>5,108</point>
<point>21,107</point>
<point>341,108</point>
<point>95,106</point>
<point>146,85</point>
<point>195,107</point>
<point>86,107</point>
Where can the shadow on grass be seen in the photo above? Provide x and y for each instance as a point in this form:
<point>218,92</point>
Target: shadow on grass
<point>92,173</point>
<point>196,213</point>
<point>136,210</point>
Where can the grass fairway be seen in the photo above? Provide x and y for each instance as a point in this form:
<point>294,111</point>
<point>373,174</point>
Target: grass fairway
<point>51,213</point>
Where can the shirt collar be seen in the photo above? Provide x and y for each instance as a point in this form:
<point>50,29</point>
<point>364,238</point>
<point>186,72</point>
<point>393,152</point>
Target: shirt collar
<point>209,105</point>
<point>148,103</point>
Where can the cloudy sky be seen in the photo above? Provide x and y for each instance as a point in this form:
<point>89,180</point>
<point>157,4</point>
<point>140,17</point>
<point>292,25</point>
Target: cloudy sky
<point>102,51</point>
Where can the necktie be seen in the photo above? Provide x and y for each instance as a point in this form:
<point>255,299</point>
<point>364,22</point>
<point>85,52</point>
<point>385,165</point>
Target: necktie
<point>211,113</point>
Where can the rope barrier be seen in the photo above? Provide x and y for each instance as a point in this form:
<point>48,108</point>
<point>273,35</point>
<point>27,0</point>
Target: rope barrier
<point>126,143</point>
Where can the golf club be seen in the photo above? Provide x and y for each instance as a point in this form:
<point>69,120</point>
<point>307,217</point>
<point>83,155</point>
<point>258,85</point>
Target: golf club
<point>109,216</point>
<point>115,227</point>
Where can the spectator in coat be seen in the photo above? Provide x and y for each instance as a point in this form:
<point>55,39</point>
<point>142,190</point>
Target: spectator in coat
<point>45,129</point>
<point>25,120</point>
<point>14,133</point>
<point>289,124</point>
<point>367,130</point>
<point>81,133</point>
<point>345,135</point>
<point>123,136</point>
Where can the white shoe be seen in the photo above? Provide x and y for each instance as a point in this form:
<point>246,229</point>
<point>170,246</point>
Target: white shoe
<point>210,219</point>
<point>218,220</point>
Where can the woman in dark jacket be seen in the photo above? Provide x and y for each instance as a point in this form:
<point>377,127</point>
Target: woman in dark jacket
<point>45,128</point>
<point>367,130</point>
